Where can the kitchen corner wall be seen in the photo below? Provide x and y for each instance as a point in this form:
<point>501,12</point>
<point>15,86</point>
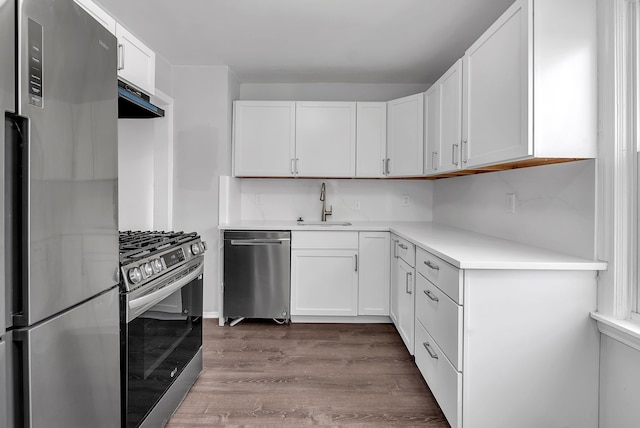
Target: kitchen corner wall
<point>555,205</point>
<point>202,152</point>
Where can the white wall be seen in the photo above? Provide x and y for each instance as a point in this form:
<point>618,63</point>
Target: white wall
<point>329,91</point>
<point>202,153</point>
<point>619,384</point>
<point>555,206</point>
<point>288,199</point>
<point>135,174</point>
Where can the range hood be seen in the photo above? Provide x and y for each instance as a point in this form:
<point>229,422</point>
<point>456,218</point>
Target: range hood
<point>133,104</point>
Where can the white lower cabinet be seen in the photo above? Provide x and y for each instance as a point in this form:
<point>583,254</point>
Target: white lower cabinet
<point>507,348</point>
<point>324,273</point>
<point>443,379</point>
<point>373,281</point>
<point>402,309</point>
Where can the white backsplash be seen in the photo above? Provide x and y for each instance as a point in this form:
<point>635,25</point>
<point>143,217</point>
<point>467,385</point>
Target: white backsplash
<point>554,208</point>
<point>289,199</point>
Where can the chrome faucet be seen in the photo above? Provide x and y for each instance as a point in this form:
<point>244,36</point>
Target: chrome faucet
<point>323,196</point>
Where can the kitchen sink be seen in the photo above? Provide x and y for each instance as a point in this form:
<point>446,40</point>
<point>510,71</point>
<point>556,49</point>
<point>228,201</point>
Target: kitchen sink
<point>324,223</point>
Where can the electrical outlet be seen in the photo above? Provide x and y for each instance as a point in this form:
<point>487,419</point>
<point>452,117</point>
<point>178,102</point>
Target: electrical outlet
<point>405,200</point>
<point>510,203</point>
<point>356,205</point>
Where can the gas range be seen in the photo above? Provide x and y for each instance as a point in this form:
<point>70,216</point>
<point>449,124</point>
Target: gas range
<point>148,256</point>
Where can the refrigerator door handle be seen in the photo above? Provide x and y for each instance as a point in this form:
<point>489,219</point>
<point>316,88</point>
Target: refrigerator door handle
<point>16,205</point>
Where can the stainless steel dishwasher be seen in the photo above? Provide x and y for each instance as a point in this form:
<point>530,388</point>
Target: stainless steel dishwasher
<point>257,274</point>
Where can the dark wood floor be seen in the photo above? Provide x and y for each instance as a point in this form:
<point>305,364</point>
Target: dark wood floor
<point>267,375</point>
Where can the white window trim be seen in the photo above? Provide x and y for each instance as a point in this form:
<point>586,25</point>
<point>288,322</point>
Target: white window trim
<point>616,214</point>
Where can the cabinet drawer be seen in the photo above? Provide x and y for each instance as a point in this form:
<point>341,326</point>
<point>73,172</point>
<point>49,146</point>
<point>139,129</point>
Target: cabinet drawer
<point>405,250</point>
<point>324,240</point>
<point>441,317</point>
<point>443,380</point>
<point>443,275</point>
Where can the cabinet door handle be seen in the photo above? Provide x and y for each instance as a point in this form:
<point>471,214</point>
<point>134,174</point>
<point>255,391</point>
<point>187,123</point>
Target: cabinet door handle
<point>395,248</point>
<point>431,296</point>
<point>454,153</point>
<point>404,247</point>
<point>433,161</point>
<point>431,265</point>
<point>293,171</point>
<point>356,259</point>
<point>465,150</point>
<point>120,56</point>
<point>407,289</point>
<point>388,172</point>
<point>432,354</point>
<point>297,160</point>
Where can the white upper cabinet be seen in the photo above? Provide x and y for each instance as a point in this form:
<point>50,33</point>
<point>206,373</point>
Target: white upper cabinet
<point>443,122</point>
<point>371,139</point>
<point>530,85</point>
<point>405,136</point>
<point>136,62</point>
<point>264,138</point>
<point>98,14</point>
<point>325,139</point>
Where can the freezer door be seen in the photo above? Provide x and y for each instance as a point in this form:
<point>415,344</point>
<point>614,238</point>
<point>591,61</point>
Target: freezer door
<point>68,199</point>
<point>70,368</point>
<point>7,106</point>
<point>4,396</point>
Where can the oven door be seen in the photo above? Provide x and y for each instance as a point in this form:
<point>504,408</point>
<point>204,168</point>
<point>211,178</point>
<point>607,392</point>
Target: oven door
<point>159,340</point>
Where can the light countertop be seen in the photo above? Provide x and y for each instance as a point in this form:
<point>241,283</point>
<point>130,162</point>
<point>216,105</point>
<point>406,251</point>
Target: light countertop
<point>461,248</point>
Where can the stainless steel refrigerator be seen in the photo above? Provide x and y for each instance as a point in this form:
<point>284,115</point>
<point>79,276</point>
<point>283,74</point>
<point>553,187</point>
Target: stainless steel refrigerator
<point>59,344</point>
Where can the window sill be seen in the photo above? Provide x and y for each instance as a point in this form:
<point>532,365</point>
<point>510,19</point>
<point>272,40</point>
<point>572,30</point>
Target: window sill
<point>624,331</point>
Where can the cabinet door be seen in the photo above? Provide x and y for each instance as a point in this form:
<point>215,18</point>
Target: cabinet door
<point>373,282</point>
<point>264,138</point>
<point>496,90</point>
<point>324,282</point>
<point>106,20</point>
<point>443,122</point>
<point>450,118</point>
<point>405,136</point>
<point>136,61</point>
<point>394,305</point>
<point>405,281</point>
<point>432,150</point>
<point>371,139</point>
<point>326,139</point>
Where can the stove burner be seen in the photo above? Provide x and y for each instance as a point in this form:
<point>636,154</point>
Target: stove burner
<point>136,245</point>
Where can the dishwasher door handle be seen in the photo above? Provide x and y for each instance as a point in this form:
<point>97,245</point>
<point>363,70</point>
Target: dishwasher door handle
<point>257,242</point>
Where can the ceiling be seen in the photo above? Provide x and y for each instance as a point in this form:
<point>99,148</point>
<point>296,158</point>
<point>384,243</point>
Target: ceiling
<point>312,41</point>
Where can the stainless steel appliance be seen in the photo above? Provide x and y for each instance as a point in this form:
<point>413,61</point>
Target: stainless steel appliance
<point>60,239</point>
<point>161,323</point>
<point>257,278</point>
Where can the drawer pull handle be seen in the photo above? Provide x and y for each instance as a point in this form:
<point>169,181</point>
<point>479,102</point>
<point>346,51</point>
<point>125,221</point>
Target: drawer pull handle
<point>431,265</point>
<point>431,296</point>
<point>428,348</point>
<point>404,247</point>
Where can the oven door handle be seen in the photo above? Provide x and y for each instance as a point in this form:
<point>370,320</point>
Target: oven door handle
<point>142,303</point>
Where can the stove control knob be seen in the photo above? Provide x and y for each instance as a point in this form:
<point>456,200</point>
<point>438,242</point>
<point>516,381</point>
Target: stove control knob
<point>147,271</point>
<point>135,276</point>
<point>195,249</point>
<point>156,265</point>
